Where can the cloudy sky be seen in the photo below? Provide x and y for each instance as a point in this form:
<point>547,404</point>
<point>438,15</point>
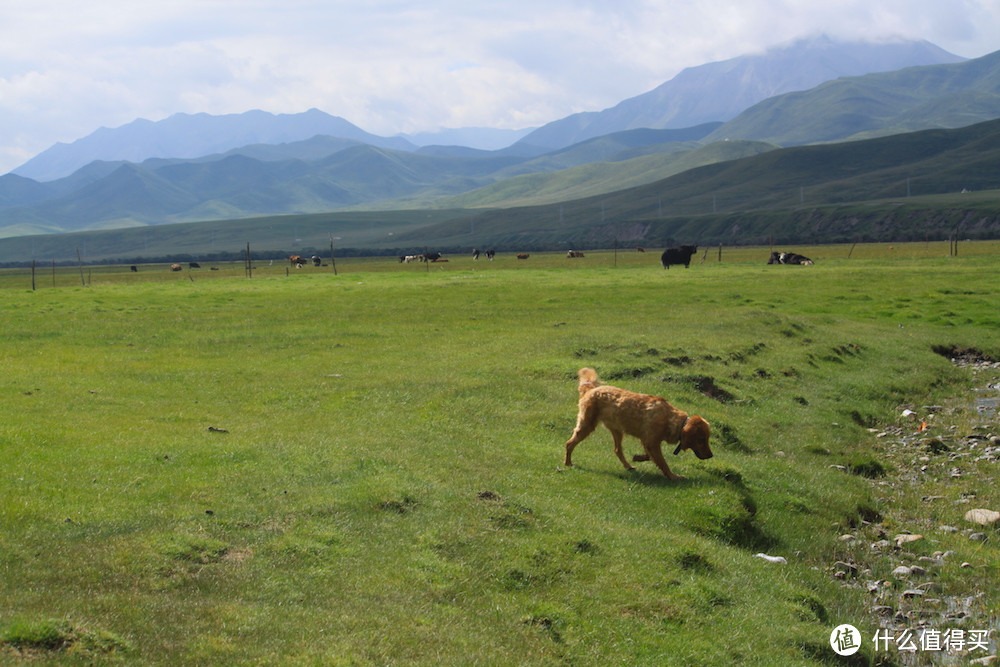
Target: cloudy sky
<point>69,67</point>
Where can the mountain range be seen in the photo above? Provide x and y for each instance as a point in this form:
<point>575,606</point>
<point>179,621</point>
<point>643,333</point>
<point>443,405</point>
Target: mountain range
<point>720,91</point>
<point>223,167</point>
<point>927,185</point>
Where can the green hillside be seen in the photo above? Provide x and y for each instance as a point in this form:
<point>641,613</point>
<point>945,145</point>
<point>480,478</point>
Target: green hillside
<point>920,185</point>
<point>601,177</point>
<point>796,193</point>
<point>915,98</point>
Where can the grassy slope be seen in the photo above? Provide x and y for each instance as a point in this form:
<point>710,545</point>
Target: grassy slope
<point>601,177</point>
<point>905,100</point>
<point>342,517</point>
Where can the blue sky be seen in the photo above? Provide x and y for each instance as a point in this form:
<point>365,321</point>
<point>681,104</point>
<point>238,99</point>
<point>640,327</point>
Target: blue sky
<point>69,67</point>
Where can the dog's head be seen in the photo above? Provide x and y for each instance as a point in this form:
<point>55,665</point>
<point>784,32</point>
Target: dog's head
<point>694,436</point>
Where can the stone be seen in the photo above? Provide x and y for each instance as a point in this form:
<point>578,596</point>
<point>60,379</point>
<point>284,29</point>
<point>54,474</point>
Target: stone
<point>881,545</point>
<point>907,538</point>
<point>901,571</point>
<point>983,517</point>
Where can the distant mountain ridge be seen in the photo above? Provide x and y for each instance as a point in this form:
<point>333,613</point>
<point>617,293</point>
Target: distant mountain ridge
<point>719,91</point>
<point>713,92</point>
<point>193,136</point>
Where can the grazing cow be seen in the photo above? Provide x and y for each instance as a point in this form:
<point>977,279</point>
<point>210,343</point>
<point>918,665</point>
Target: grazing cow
<point>490,254</point>
<point>406,259</point>
<point>475,253</point>
<point>570,254</point>
<point>640,249</point>
<point>430,257</point>
<point>523,255</point>
<point>176,267</point>
<point>789,258</point>
<point>133,268</point>
<point>679,255</point>
<point>194,265</point>
<point>316,260</point>
<point>298,261</point>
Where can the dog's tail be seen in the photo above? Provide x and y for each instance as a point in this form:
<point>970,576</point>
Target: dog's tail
<point>588,380</point>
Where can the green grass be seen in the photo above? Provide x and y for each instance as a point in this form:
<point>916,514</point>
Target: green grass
<point>383,484</point>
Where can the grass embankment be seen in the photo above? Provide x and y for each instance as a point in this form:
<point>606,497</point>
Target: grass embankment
<point>366,468</point>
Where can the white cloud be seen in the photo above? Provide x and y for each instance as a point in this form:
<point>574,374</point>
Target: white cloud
<point>67,68</point>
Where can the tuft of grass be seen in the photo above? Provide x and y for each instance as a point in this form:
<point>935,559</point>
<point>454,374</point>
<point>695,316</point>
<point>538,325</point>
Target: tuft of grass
<point>46,635</point>
<point>866,466</point>
<point>53,635</point>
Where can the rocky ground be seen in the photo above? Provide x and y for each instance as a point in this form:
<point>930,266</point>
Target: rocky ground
<point>928,563</point>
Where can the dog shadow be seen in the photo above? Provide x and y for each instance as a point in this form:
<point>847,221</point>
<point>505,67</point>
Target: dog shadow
<point>656,479</point>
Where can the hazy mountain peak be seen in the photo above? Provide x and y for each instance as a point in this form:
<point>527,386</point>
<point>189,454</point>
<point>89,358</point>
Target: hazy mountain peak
<point>719,91</point>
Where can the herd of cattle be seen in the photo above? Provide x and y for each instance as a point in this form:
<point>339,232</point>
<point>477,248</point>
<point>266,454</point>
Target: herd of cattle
<point>676,255</point>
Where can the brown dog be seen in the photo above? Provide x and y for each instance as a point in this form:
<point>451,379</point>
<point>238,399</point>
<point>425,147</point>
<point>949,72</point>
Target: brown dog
<point>650,418</point>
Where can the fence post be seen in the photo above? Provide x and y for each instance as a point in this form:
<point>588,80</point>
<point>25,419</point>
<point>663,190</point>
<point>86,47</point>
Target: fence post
<point>79,261</point>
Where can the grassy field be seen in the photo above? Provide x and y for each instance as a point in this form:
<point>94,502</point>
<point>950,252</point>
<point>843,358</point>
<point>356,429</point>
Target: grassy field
<point>365,468</point>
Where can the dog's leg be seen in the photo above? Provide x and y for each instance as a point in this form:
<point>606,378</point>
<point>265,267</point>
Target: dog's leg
<point>656,454</point>
<point>585,425</point>
<point>617,436</point>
